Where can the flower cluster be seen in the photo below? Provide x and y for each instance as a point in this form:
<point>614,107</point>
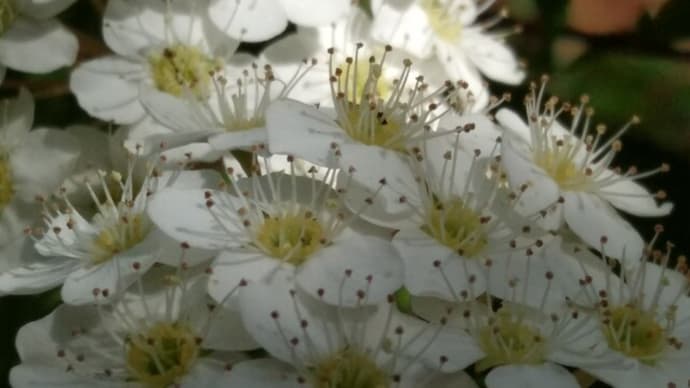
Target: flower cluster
<point>351,208</point>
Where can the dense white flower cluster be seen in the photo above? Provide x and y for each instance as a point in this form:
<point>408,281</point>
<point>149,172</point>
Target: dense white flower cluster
<point>350,209</point>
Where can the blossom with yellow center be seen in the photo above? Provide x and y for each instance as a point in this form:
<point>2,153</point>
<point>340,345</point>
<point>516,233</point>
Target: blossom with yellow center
<point>162,354</point>
<point>181,68</point>
<point>569,168</point>
<point>265,225</point>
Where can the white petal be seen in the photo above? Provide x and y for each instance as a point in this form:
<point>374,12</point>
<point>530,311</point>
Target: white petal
<point>512,122</point>
<point>493,57</point>
<point>107,88</point>
<point>207,372</point>
<point>227,321</point>
<point>37,46</point>
<point>249,21</point>
<point>430,343</point>
<point>130,28</point>
<point>458,66</point>
<point>408,29</point>
<point>184,216</point>
<point>286,56</point>
<point>199,152</point>
<point>637,376</point>
<point>591,219</point>
<point>669,284</point>
<point>530,376</point>
<point>390,165</point>
<point>42,9</point>
<point>375,269</point>
<point>43,161</point>
<point>452,380</point>
<point>302,130</point>
<point>377,212</point>
<point>482,137</point>
<point>423,277</point>
<point>37,277</point>
<point>542,191</point>
<point>17,119</point>
<point>176,113</point>
<point>188,179</point>
<point>630,197</point>
<point>263,373</point>
<point>29,376</point>
<point>233,266</point>
<point>164,140</point>
<point>274,316</point>
<point>530,273</point>
<point>114,276</point>
<point>315,12</point>
<point>242,139</point>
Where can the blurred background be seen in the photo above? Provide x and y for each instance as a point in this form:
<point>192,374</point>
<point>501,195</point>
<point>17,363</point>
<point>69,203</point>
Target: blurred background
<point>632,57</point>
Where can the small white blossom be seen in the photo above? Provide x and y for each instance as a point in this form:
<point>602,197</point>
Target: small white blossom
<point>31,39</point>
<point>572,166</point>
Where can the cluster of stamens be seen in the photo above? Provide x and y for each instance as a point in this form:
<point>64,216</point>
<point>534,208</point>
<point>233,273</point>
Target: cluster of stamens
<point>277,221</point>
<point>636,323</point>
<point>243,105</point>
<point>180,69</point>
<point>118,225</point>
<point>578,160</point>
<point>390,115</point>
<point>461,218</point>
<point>155,347</point>
<point>354,363</point>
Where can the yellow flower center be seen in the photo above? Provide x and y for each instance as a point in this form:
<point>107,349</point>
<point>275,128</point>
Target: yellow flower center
<point>635,333</point>
<point>349,368</point>
<point>370,127</point>
<point>245,124</point>
<point>179,68</point>
<point>456,226</point>
<point>508,340</point>
<point>6,187</point>
<point>160,356</point>
<point>292,237</point>
<point>441,19</point>
<point>122,234</point>
<point>360,79</point>
<point>8,12</point>
<point>557,162</point>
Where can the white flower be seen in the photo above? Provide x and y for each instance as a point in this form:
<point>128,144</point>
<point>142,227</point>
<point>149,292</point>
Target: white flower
<point>319,345</point>
<point>645,317</point>
<point>109,251</point>
<point>156,338</point>
<point>572,166</point>
<point>530,335</point>
<point>288,53</point>
<point>458,219</point>
<point>365,120</point>
<point>260,20</point>
<point>31,40</point>
<point>449,30</point>
<point>169,46</point>
<point>32,165</point>
<point>233,116</point>
<point>282,225</point>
